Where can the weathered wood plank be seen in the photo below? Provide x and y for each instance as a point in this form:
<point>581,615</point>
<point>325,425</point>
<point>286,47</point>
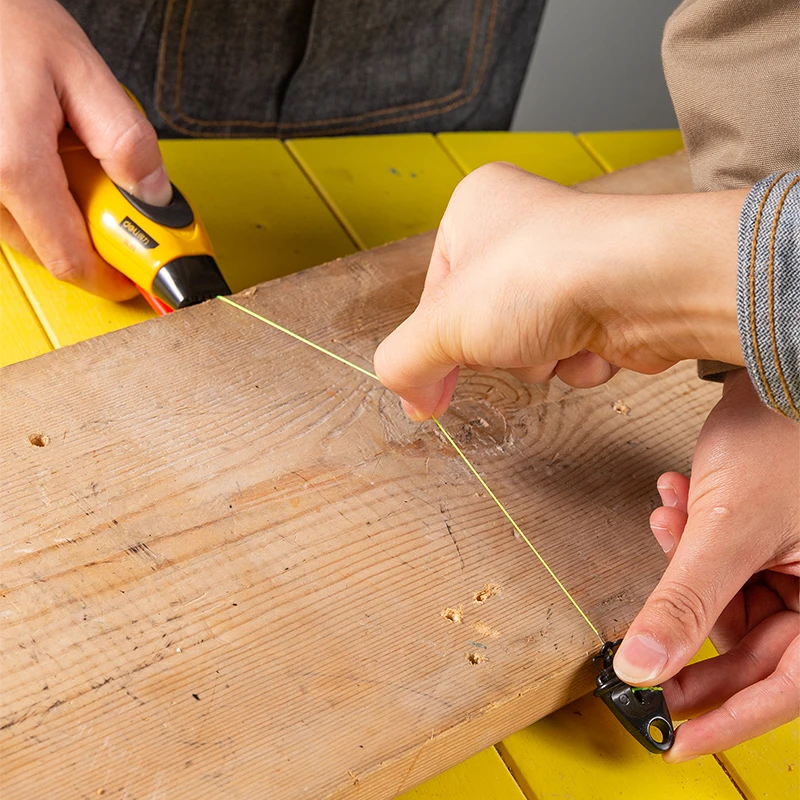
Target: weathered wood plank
<point>223,514</point>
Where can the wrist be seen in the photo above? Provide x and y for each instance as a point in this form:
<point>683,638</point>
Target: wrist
<point>666,289</point>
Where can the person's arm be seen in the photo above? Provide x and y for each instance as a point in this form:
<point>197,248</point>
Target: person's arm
<point>50,75</point>
<point>538,279</point>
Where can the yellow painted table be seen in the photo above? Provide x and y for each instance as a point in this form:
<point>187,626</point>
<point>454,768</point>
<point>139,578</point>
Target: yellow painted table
<point>275,208</point>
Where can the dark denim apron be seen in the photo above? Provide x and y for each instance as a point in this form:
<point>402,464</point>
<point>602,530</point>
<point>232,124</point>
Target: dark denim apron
<point>289,68</point>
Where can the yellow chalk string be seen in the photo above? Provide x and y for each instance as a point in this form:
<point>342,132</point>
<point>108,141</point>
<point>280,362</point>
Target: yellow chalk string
<point>446,435</point>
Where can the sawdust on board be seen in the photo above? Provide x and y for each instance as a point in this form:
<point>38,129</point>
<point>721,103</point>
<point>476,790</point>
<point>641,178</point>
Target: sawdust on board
<point>489,590</point>
<point>453,614</point>
<point>483,629</point>
<point>621,408</point>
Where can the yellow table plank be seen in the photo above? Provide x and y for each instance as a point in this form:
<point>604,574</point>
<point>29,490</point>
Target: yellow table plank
<point>380,187</point>
<point>67,313</point>
<point>582,751</point>
<point>557,156</point>
<point>263,216</point>
<point>482,777</point>
<point>618,149</point>
<point>769,766</point>
<point>21,335</point>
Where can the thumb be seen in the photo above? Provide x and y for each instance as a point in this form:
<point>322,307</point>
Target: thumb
<point>113,129</point>
<point>413,361</point>
<point>708,568</point>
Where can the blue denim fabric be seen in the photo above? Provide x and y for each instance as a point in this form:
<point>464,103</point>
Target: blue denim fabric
<point>768,292</point>
<point>289,68</point>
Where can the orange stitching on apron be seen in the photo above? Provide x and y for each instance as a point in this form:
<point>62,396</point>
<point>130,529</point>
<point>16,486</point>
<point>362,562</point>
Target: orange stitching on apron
<point>771,295</point>
<point>389,111</point>
<point>753,334</point>
<point>162,49</point>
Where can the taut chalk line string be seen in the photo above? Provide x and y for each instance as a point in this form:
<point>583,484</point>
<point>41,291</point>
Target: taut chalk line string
<point>446,435</point>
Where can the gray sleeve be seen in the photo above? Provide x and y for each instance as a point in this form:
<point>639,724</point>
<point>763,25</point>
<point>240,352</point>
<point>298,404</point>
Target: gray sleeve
<point>768,290</point>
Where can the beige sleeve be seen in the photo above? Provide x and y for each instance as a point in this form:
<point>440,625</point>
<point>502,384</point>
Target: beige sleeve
<point>733,71</point>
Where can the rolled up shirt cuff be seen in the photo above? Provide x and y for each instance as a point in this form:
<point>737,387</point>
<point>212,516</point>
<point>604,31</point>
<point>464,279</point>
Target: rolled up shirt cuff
<point>768,290</point>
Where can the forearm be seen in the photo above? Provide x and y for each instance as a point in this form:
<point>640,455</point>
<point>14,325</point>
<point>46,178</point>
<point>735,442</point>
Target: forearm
<point>668,276</point>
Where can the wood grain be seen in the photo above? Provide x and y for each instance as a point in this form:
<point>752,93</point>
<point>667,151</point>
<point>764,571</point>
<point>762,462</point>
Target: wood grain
<point>224,573</point>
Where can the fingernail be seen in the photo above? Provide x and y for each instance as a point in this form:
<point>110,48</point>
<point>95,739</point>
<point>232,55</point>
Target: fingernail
<point>639,659</point>
<point>672,757</point>
<point>412,412</point>
<point>669,497</point>
<point>664,537</point>
<point>155,188</point>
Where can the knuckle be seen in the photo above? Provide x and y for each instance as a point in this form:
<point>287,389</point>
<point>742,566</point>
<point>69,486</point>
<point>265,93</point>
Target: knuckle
<point>678,691</point>
<point>789,683</point>
<point>682,607</point>
<point>134,136</point>
<point>65,269</point>
<point>12,172</point>
<point>750,656</point>
<point>488,173</point>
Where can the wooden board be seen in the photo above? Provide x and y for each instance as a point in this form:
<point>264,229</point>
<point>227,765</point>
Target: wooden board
<point>225,572</point>
<point>664,175</point>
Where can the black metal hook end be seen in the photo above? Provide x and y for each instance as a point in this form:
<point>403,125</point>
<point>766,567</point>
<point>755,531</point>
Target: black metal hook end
<point>642,711</point>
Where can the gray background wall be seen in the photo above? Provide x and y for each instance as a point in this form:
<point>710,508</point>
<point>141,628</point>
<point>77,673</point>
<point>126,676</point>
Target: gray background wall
<point>597,66</point>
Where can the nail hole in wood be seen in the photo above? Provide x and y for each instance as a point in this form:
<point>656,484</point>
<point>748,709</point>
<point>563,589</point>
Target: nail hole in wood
<point>39,439</point>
